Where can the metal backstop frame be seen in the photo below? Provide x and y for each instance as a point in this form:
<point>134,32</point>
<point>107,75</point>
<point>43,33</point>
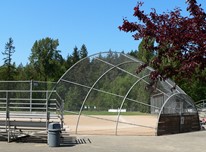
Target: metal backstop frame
<point>90,84</point>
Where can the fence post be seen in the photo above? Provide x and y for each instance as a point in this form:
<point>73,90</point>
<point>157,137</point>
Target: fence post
<point>47,107</point>
<point>31,85</point>
<point>7,115</point>
<point>62,112</point>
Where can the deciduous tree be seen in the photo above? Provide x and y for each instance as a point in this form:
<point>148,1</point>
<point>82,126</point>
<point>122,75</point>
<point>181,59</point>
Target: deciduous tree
<point>46,59</point>
<point>180,41</point>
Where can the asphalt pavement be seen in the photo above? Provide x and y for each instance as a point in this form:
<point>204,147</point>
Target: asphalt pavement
<point>187,142</point>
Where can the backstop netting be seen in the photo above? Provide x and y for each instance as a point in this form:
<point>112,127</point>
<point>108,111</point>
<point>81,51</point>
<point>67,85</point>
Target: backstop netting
<point>103,95</point>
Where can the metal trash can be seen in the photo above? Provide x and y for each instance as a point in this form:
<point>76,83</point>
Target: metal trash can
<point>54,130</point>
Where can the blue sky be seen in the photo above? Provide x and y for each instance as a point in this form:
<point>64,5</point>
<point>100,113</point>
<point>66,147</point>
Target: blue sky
<point>73,22</point>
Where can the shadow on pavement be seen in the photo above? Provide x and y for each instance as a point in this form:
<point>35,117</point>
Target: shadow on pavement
<point>65,141</point>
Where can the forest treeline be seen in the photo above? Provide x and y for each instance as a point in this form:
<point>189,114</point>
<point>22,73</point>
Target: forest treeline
<point>44,64</point>
<point>47,64</point>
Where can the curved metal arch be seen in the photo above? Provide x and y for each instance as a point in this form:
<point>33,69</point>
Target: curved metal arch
<point>55,86</point>
<point>166,103</point>
<point>126,62</point>
<point>93,55</point>
<point>134,59</point>
<point>200,104</point>
<point>200,101</point>
<point>102,91</point>
<point>133,75</point>
<point>81,61</point>
<point>167,81</point>
<point>151,69</point>
<point>119,67</point>
<point>125,99</point>
<point>127,56</point>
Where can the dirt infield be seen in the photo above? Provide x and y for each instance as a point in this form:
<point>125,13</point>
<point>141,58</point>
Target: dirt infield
<point>106,125</point>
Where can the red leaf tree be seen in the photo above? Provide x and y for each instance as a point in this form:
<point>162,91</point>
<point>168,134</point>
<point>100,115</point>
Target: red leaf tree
<point>180,42</point>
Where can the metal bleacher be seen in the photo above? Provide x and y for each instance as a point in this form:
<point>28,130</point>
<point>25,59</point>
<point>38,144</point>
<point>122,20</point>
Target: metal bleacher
<point>27,107</point>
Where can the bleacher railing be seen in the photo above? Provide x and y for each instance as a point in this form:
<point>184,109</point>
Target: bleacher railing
<point>29,100</point>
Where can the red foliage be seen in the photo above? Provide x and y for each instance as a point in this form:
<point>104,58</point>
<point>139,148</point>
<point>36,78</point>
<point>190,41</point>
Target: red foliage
<point>181,40</point>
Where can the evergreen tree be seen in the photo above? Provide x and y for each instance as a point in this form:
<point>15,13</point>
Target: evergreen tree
<point>68,61</point>
<point>83,52</point>
<point>20,73</point>
<point>3,72</point>
<point>75,55</point>
<point>133,53</point>
<point>9,50</point>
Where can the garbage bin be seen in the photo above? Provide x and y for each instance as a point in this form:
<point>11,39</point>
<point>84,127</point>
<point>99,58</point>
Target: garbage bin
<point>54,130</point>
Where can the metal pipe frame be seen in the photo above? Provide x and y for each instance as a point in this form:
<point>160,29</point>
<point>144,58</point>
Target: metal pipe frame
<point>132,60</point>
<point>175,94</point>
<point>131,74</point>
<point>102,91</point>
<point>93,87</point>
<point>125,99</point>
<point>201,104</point>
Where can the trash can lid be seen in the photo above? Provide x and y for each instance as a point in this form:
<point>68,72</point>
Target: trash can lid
<point>53,126</point>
